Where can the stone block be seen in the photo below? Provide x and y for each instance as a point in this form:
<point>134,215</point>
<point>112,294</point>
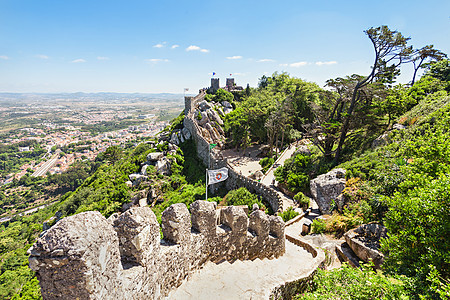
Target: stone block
<point>78,257</point>
<point>203,216</point>
<point>259,223</point>
<point>276,226</point>
<point>235,218</point>
<point>176,223</point>
<point>138,232</point>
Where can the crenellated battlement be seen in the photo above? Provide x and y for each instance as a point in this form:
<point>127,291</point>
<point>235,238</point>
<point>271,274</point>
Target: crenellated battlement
<point>87,256</point>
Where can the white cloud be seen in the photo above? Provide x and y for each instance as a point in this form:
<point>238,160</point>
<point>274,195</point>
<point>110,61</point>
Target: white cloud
<point>196,48</point>
<point>298,64</point>
<point>102,58</point>
<point>265,60</point>
<point>42,56</point>
<point>160,45</point>
<point>79,60</point>
<point>175,46</point>
<point>234,57</point>
<point>156,60</point>
<point>322,63</point>
<point>4,57</point>
<point>295,65</point>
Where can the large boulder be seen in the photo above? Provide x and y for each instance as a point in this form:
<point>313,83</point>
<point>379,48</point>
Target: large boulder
<point>155,156</point>
<point>163,166</point>
<point>204,118</point>
<point>365,242</point>
<point>327,187</point>
<point>226,104</point>
<point>174,139</point>
<point>214,116</point>
<point>382,140</point>
<point>204,105</point>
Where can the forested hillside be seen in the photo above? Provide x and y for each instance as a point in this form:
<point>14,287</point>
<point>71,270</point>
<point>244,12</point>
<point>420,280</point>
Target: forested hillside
<point>393,140</point>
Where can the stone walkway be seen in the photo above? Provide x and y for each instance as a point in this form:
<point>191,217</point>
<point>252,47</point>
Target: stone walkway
<point>245,279</point>
<point>269,177</point>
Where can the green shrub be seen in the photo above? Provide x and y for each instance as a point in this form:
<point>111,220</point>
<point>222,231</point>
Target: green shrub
<point>242,196</point>
<point>302,200</point>
<point>418,225</point>
<point>318,226</point>
<point>351,283</point>
<point>266,163</point>
<point>288,214</point>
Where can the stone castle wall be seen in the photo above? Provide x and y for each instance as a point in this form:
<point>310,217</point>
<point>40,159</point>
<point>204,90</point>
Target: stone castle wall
<point>234,180</point>
<point>87,256</point>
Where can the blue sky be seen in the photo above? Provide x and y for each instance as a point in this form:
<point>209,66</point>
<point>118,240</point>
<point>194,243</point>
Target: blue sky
<point>165,46</point>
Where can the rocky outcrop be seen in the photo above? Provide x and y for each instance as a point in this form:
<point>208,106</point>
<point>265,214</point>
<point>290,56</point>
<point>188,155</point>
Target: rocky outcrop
<point>327,187</point>
<point>365,242</point>
<point>89,257</point>
<point>384,139</point>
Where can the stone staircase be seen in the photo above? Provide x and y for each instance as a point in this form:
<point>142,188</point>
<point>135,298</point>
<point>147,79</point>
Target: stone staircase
<point>246,279</point>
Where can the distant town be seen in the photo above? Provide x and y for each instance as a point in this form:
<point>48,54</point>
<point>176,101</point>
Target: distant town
<point>66,128</point>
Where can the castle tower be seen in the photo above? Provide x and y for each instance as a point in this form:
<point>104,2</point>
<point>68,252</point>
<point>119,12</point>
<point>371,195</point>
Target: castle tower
<point>214,84</point>
<point>230,83</point>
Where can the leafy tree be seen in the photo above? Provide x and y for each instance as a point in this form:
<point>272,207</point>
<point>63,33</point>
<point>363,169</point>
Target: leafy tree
<point>420,56</point>
<point>390,48</point>
<point>418,225</point>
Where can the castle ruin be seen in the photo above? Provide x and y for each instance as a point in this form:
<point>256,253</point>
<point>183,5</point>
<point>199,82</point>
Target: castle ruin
<point>87,256</point>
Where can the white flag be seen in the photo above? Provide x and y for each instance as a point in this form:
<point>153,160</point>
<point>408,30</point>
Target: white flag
<point>219,175</point>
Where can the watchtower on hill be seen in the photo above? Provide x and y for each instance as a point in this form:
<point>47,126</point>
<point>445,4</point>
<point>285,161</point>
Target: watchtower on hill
<point>214,84</point>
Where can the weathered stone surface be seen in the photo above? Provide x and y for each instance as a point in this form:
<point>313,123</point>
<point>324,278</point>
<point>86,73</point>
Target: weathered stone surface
<point>144,169</point>
<point>235,218</point>
<point>212,132</point>
<point>129,183</point>
<point>163,166</point>
<point>78,257</point>
<point>398,127</point>
<point>227,110</point>
<point>365,242</point>
<point>204,105</point>
<point>226,104</point>
<point>303,150</point>
<point>88,258</point>
<point>172,146</point>
<point>382,140</point>
<point>174,139</point>
<point>327,187</point>
<point>220,111</point>
<point>204,217</point>
<point>176,223</point>
<point>259,223</point>
<point>276,226</point>
<point>204,118</point>
<point>186,133</point>
<point>214,116</point>
<point>138,232</point>
<point>155,156</point>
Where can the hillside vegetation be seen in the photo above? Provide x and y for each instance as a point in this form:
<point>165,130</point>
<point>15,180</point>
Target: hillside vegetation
<point>402,181</point>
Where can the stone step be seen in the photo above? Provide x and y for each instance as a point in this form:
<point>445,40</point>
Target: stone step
<point>346,254</point>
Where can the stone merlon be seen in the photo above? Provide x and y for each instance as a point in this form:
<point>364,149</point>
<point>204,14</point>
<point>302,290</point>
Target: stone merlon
<point>86,256</point>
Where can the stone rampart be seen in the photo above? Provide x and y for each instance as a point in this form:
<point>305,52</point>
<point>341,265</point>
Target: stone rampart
<point>87,256</point>
<point>234,180</point>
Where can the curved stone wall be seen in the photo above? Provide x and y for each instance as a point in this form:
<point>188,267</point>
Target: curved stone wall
<point>87,256</point>
<point>234,180</point>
